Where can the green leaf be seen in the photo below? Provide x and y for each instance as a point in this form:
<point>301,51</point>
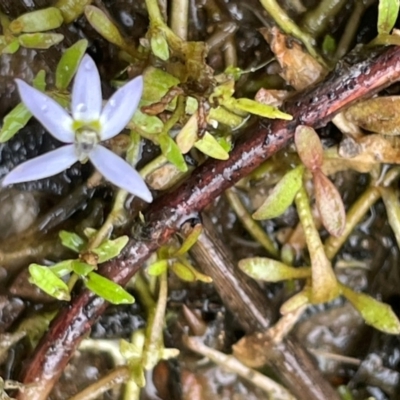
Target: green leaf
<point>309,147</point>
<point>102,24</point>
<point>71,9</point>
<point>296,301</point>
<point>110,249</point>
<point>171,152</point>
<point>187,136</point>
<point>69,63</point>
<point>81,268</point>
<point>282,195</point>
<point>391,199</point>
<point>62,268</point>
<point>329,204</point>
<point>256,108</point>
<point>39,81</point>
<point>37,21</point>
<point>49,282</point>
<point>16,119</point>
<point>209,146</point>
<point>388,10</point>
<point>189,241</point>
<point>324,284</point>
<point>107,289</point>
<point>72,241</point>
<point>11,47</point>
<point>329,45</point>
<point>159,45</point>
<point>269,270</point>
<point>157,268</point>
<point>147,124</point>
<point>183,272</point>
<point>377,314</point>
<point>39,40</point>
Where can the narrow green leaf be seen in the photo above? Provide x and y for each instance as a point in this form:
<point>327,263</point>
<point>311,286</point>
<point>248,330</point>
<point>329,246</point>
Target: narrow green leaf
<point>102,24</point>
<point>309,147</point>
<point>388,10</point>
<point>189,241</point>
<point>11,47</point>
<point>375,313</point>
<point>183,272</point>
<point>210,147</point>
<point>172,153</point>
<point>391,199</point>
<point>16,119</point>
<point>81,268</point>
<point>110,248</point>
<point>69,63</point>
<point>107,289</point>
<point>39,81</point>
<point>157,268</point>
<point>72,241</point>
<point>282,195</point>
<point>71,9</point>
<point>187,136</point>
<point>269,270</point>
<point>49,282</point>
<point>37,21</point>
<point>40,40</point>
<point>324,284</point>
<point>159,46</point>
<point>329,203</point>
<point>256,108</point>
<point>62,268</point>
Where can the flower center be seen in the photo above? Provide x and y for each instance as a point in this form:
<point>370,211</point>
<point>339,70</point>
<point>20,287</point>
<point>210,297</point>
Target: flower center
<point>86,140</point>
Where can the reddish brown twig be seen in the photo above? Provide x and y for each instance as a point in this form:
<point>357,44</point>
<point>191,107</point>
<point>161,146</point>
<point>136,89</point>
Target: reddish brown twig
<point>314,107</point>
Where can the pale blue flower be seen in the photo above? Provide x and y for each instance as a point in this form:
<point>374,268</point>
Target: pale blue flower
<point>84,130</point>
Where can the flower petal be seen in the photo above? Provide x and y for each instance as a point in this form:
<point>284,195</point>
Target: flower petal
<point>119,172</point>
<point>46,110</point>
<point>120,108</point>
<point>48,164</point>
<point>86,96</point>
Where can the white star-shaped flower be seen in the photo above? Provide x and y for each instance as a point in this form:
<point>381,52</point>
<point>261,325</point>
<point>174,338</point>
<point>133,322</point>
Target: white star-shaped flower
<point>84,130</point>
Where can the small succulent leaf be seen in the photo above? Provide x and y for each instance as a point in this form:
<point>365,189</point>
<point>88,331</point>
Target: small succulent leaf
<point>72,241</point>
<point>37,21</point>
<point>388,10</point>
<point>86,97</point>
<point>48,164</point>
<point>120,173</point>
<point>324,284</point>
<point>198,276</point>
<point>210,147</point>
<point>329,203</point>
<point>375,313</point>
<point>159,45</point>
<point>171,152</point>
<point>16,119</point>
<point>157,268</point>
<point>299,299</point>
<point>69,63</point>
<point>11,47</point>
<point>110,249</point>
<point>49,282</point>
<point>156,84</point>
<point>183,272</point>
<point>120,108</point>
<point>71,9</point>
<point>282,195</point>
<point>39,81</point>
<point>82,268</point>
<point>329,45</point>
<point>102,24</point>
<point>189,241</point>
<point>187,136</point>
<point>147,124</point>
<point>89,232</point>
<point>40,40</point>
<point>62,268</point>
<point>107,289</point>
<point>391,199</point>
<point>269,270</point>
<point>263,110</point>
<point>47,111</point>
<point>309,147</point>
